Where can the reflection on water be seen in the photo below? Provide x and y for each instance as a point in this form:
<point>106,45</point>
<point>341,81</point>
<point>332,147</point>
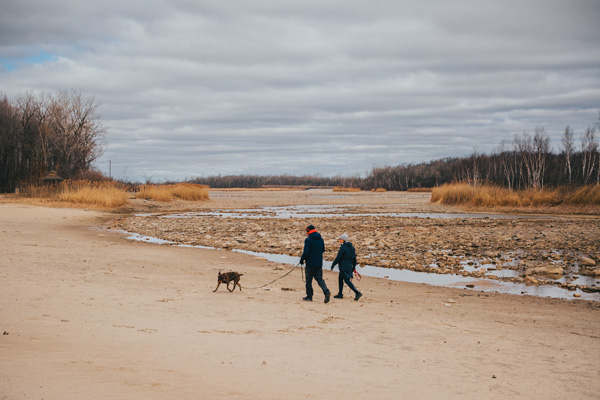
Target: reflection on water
<point>404,275</point>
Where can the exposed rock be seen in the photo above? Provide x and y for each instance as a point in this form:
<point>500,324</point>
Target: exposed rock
<point>591,271</point>
<point>530,281</point>
<point>586,261</point>
<point>546,270</point>
<point>588,289</point>
<point>410,243</point>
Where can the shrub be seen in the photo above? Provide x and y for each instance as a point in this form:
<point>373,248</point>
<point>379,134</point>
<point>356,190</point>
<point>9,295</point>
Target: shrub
<point>154,192</point>
<point>495,196</point>
<point>104,194</point>
<point>586,195</point>
<point>190,191</point>
<point>110,197</point>
<point>183,191</point>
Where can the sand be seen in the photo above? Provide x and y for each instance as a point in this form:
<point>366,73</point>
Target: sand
<point>89,314</point>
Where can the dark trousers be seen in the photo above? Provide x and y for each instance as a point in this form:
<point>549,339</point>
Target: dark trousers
<point>345,276</point>
<point>317,274</point>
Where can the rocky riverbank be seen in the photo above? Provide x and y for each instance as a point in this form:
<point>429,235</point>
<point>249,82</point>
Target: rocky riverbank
<point>535,250</point>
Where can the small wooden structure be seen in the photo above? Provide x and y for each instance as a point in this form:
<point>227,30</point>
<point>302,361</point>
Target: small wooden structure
<point>52,178</point>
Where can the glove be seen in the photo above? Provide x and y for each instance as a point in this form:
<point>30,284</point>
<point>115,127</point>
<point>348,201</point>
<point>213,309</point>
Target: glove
<point>301,262</point>
<point>332,268</point>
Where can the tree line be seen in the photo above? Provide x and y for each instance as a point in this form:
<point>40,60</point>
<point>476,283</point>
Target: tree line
<point>258,181</point>
<point>528,162</point>
<point>63,132</point>
<point>38,133</point>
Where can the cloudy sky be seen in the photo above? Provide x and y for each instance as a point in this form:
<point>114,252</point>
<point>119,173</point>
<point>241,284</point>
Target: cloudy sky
<point>195,88</point>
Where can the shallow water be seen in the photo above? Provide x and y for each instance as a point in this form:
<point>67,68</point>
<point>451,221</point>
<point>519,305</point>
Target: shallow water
<point>497,270</point>
<point>329,211</point>
<point>445,280</point>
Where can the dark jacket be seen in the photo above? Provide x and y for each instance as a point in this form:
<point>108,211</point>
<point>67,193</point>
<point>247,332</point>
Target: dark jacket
<point>314,247</point>
<point>346,257</point>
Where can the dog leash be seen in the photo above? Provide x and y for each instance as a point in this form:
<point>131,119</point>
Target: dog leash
<point>281,277</point>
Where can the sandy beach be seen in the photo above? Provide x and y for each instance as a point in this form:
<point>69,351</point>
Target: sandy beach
<point>86,313</point>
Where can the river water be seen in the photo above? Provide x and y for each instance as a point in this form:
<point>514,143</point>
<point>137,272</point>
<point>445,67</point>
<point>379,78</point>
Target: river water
<point>445,280</point>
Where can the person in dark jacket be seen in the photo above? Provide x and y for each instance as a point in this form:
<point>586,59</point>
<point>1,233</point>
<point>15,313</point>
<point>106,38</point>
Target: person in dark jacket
<point>314,247</point>
<point>346,259</point>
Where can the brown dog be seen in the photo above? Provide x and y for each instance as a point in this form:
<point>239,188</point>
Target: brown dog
<point>229,277</point>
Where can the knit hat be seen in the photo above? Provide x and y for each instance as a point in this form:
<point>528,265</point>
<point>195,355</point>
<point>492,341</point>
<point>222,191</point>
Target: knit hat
<point>310,228</point>
<point>344,237</point>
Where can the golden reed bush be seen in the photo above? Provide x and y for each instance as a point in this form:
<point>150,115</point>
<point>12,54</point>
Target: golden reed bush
<point>345,189</point>
<point>154,192</point>
<point>190,191</point>
<point>109,197</point>
<point>588,195</point>
<point>165,193</point>
<point>494,196</point>
<point>460,193</point>
<point>103,194</point>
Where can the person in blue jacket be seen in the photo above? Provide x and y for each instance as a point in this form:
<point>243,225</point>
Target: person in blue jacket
<point>346,259</point>
<point>314,247</point>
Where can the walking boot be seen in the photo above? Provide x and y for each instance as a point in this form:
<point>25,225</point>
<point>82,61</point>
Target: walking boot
<point>307,298</point>
<point>358,296</point>
<point>338,296</point>
<point>327,296</point>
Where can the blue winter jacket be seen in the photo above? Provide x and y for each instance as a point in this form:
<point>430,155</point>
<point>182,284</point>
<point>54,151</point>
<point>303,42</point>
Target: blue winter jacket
<point>346,258</point>
<point>314,247</point>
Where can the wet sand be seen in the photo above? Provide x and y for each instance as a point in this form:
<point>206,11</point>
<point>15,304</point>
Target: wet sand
<point>87,313</point>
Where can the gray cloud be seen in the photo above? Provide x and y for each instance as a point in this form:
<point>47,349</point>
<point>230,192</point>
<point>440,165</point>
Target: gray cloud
<point>269,87</point>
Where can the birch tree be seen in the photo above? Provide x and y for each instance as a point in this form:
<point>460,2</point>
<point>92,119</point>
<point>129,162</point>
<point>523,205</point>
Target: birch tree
<point>589,154</point>
<point>568,147</point>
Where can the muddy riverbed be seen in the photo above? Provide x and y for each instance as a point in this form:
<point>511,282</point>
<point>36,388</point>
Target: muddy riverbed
<point>391,230</point>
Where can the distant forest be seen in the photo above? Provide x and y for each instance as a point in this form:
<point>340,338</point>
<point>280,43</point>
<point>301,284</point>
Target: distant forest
<point>528,162</point>
<point>39,133</point>
<point>63,132</point>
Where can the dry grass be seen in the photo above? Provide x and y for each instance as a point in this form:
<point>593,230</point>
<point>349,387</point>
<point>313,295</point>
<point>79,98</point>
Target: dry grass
<point>345,189</point>
<point>154,192</point>
<point>585,196</point>
<point>190,191</point>
<point>166,193</point>
<point>494,196</point>
<point>379,190</point>
<point>460,193</point>
<point>102,194</point>
<point>109,197</point>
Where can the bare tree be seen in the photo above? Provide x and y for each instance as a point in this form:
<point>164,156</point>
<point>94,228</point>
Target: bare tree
<point>568,147</point>
<point>506,164</point>
<point>76,132</point>
<point>534,152</point>
<point>598,153</point>
<point>589,154</point>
